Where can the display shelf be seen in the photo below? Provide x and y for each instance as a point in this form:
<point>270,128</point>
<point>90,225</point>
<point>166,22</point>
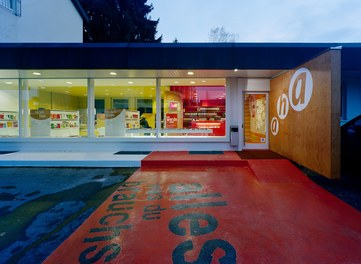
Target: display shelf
<point>217,127</point>
<point>64,123</point>
<point>202,113</point>
<point>131,119</point>
<point>9,124</point>
<point>118,120</point>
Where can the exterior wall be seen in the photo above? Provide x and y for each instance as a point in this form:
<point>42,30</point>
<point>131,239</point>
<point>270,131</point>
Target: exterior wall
<point>304,120</point>
<point>9,24</point>
<point>42,21</point>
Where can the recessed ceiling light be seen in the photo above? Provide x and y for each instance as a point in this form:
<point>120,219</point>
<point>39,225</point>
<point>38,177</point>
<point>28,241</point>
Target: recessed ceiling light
<point>106,94</point>
<point>190,73</point>
<point>152,88</point>
<point>130,82</point>
<point>204,81</point>
<point>36,73</point>
<point>113,73</point>
<point>8,82</point>
<point>42,87</point>
<point>235,70</point>
<point>176,82</point>
<point>69,82</point>
<point>193,82</point>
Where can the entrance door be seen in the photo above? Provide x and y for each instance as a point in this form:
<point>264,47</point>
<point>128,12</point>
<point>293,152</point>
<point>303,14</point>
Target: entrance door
<point>255,120</point>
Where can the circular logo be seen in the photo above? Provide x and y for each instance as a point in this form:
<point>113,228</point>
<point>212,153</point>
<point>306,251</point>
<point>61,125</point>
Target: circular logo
<point>282,106</point>
<point>274,126</point>
<point>300,89</point>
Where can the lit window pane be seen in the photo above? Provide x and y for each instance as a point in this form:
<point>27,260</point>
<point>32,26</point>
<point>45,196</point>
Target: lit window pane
<point>9,108</point>
<point>194,107</point>
<point>55,108</point>
<point>125,107</point>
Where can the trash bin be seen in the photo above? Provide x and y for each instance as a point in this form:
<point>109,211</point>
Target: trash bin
<point>234,136</point>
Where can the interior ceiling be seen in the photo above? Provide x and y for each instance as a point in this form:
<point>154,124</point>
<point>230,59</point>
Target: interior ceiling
<point>137,83</point>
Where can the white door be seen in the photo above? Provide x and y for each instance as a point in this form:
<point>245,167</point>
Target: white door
<point>255,120</point>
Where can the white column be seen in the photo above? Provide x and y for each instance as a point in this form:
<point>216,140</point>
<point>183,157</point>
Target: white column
<point>158,107</point>
<point>234,109</point>
<point>24,128</point>
<point>91,110</point>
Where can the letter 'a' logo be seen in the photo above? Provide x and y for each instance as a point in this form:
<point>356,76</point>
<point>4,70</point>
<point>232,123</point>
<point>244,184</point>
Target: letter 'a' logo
<point>300,89</point>
<point>282,106</point>
<point>274,126</point>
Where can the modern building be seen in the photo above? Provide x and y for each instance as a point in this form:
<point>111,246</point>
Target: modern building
<point>287,97</point>
<point>41,21</point>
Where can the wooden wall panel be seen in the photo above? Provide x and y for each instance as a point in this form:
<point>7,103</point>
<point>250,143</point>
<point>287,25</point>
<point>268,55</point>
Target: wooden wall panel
<point>311,136</point>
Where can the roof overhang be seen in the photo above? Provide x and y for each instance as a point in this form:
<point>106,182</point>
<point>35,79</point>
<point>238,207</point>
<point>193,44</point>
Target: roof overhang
<point>173,59</point>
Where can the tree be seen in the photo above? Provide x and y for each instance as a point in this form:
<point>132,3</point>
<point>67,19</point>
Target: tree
<point>219,34</point>
<point>119,21</point>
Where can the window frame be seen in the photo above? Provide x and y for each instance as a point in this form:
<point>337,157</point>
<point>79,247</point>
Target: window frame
<point>13,6</point>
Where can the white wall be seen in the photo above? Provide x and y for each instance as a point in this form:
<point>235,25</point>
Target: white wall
<point>42,21</point>
<point>9,100</point>
<point>8,26</point>
<point>255,85</point>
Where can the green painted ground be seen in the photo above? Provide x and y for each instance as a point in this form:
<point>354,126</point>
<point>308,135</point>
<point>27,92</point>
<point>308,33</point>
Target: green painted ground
<point>41,207</point>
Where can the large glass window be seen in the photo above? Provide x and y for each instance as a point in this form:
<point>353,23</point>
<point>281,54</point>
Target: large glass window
<point>9,108</point>
<point>55,107</point>
<point>125,107</point>
<point>193,107</point>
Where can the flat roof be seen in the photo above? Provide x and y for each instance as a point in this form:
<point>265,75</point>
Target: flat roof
<point>167,56</point>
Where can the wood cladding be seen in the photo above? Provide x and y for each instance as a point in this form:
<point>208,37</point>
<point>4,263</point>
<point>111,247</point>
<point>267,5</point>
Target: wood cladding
<point>311,137</point>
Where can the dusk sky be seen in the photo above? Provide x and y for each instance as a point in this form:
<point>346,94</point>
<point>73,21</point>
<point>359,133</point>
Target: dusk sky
<point>260,20</point>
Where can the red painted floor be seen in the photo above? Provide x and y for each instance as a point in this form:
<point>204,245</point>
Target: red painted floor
<point>264,212</point>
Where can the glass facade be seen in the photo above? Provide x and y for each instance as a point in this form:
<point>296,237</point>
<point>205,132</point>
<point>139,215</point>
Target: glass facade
<point>193,107</point>
<point>122,107</point>
<point>54,107</point>
<point>9,108</point>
